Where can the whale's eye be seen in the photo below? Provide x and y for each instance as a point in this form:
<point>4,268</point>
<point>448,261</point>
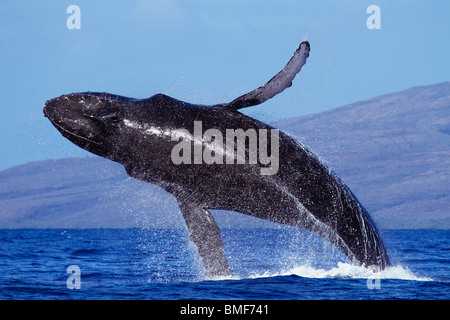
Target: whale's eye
<point>113,118</point>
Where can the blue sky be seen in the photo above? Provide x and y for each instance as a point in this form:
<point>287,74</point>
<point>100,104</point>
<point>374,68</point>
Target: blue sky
<point>207,52</point>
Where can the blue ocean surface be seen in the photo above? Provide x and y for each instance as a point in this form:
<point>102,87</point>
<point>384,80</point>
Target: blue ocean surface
<point>268,263</point>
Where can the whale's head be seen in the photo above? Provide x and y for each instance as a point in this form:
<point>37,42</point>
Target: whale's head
<point>90,120</point>
<point>134,132</point>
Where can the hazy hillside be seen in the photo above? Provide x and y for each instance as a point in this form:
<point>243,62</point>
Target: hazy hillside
<point>81,193</point>
<point>393,151</point>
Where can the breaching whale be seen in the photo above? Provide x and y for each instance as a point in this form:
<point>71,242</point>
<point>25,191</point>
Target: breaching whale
<point>150,137</point>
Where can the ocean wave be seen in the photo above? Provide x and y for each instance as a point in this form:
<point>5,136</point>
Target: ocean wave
<point>348,271</point>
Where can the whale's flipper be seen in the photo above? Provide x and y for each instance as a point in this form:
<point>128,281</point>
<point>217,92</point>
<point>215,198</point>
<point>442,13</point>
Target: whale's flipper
<point>204,233</point>
<point>277,84</point>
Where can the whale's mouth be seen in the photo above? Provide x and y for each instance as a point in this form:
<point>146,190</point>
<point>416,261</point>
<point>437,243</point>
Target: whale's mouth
<point>63,125</point>
<point>73,136</point>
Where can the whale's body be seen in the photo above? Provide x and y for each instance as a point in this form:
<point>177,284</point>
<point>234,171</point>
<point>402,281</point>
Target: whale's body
<point>157,140</point>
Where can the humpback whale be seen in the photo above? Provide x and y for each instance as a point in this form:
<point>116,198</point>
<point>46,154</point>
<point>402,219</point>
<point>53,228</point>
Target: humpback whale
<point>145,134</point>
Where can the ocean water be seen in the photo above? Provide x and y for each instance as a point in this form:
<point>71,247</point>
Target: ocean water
<point>268,263</point>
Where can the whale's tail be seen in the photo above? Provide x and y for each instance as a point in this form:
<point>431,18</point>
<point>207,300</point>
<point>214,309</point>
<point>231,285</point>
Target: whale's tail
<point>352,229</point>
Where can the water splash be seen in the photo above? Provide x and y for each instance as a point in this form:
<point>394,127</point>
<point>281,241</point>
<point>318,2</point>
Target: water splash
<point>347,271</point>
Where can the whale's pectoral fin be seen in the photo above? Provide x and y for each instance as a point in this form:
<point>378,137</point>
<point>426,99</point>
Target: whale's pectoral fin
<point>277,84</point>
<point>204,233</point>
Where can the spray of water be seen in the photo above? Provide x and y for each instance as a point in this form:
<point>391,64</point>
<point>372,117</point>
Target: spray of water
<point>348,271</point>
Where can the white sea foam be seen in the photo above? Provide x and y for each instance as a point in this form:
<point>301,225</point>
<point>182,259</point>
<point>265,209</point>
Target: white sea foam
<point>348,271</point>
